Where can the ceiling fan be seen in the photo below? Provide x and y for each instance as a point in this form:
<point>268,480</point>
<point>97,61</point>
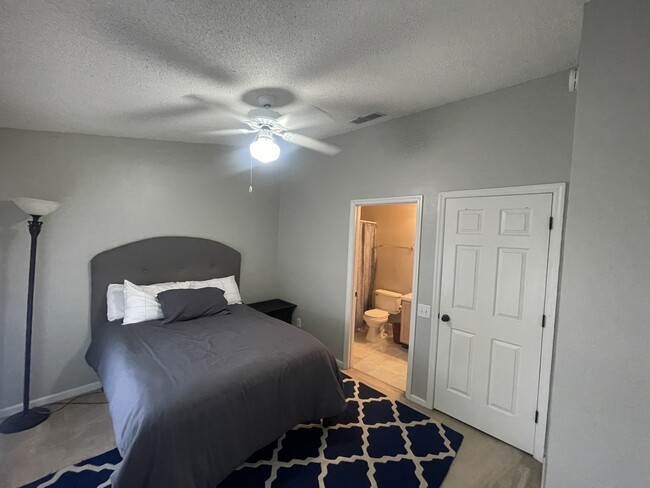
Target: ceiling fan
<point>267,124</point>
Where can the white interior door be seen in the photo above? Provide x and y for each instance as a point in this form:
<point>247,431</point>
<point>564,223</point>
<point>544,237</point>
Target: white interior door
<point>495,255</point>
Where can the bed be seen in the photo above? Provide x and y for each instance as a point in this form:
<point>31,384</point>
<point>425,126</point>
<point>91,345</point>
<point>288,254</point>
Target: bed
<point>190,401</point>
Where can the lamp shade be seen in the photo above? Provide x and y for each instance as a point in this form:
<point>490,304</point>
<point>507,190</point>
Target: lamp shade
<point>34,206</point>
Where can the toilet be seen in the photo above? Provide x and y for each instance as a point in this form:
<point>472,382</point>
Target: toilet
<point>386,303</point>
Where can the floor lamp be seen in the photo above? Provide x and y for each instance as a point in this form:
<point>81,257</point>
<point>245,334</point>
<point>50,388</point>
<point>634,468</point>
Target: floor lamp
<point>29,418</point>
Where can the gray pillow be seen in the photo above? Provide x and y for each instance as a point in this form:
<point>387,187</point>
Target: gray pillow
<point>187,304</point>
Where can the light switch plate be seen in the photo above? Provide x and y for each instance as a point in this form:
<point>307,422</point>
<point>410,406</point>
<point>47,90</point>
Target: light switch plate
<point>424,311</point>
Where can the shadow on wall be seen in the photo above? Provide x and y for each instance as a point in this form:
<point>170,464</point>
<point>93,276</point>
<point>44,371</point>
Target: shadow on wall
<point>327,328</point>
<point>61,383</point>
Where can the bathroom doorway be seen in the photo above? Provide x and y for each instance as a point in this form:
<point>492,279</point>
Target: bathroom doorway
<point>382,280</point>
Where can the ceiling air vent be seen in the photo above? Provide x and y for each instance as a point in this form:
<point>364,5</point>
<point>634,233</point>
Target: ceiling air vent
<point>367,118</point>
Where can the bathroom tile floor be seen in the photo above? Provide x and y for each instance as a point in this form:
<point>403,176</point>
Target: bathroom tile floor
<point>383,360</point>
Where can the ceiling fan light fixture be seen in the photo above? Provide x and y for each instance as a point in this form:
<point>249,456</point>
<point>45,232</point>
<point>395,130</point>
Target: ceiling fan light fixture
<point>264,148</point>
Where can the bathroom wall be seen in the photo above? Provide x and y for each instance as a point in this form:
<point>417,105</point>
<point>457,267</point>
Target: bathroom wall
<point>395,231</point>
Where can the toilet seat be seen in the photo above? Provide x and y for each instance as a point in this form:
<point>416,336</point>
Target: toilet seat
<point>375,319</point>
<point>376,313</point>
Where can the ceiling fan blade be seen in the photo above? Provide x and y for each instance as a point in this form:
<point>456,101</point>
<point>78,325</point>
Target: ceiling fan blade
<point>229,132</point>
<point>310,143</point>
<point>306,118</point>
<point>174,111</point>
<point>223,109</point>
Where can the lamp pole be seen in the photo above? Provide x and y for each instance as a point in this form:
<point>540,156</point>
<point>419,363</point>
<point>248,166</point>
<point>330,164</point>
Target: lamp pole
<point>34,230</point>
<point>28,418</point>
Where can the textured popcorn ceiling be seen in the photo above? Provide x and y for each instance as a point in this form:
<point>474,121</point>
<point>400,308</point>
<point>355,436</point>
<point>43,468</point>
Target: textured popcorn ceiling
<point>126,68</point>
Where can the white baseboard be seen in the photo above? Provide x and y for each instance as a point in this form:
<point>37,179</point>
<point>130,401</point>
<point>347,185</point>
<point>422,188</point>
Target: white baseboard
<point>55,397</point>
<point>340,363</point>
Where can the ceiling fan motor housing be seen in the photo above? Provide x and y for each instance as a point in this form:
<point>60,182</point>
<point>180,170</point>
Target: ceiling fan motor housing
<point>264,117</point>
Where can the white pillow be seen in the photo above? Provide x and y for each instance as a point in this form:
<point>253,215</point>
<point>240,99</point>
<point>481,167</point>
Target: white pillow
<point>227,284</point>
<point>140,302</point>
<point>115,302</point>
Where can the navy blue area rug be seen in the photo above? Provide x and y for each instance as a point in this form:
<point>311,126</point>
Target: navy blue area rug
<point>376,442</point>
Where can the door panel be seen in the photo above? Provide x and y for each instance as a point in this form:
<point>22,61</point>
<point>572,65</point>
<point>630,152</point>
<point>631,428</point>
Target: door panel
<point>504,372</point>
<point>466,277</point>
<point>460,359</point>
<point>493,281</point>
<point>510,283</point>
<point>470,221</point>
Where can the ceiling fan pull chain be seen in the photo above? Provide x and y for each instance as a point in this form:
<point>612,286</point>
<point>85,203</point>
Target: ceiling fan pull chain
<point>250,187</point>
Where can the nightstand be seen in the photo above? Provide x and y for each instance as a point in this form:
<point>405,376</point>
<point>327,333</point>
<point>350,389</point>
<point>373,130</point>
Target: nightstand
<point>275,308</point>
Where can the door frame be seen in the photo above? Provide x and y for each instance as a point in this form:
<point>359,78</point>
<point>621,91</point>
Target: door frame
<point>355,217</point>
<point>558,191</point>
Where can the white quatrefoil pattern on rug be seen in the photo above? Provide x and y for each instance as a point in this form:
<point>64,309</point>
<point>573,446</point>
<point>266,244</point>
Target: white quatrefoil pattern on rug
<point>375,443</point>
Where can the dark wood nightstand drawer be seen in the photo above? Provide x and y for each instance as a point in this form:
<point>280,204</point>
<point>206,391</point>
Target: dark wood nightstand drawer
<point>276,308</point>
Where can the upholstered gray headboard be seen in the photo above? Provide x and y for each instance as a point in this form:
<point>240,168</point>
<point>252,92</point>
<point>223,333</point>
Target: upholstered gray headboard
<point>158,260</point>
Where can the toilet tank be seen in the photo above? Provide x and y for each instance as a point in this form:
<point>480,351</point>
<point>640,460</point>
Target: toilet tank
<point>389,301</point>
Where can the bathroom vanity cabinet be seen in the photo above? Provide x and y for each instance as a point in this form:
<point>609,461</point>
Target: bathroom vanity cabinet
<point>405,329</point>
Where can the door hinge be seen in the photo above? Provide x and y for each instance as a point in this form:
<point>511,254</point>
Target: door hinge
<point>543,321</point>
<point>536,415</point>
<point>550,223</point>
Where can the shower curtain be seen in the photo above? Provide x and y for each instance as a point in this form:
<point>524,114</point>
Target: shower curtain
<point>366,264</point>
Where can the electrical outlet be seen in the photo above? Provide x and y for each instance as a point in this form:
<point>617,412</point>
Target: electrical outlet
<point>424,311</point>
<point>299,322</point>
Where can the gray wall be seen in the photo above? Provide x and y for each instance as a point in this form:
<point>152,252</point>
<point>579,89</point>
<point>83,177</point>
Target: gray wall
<point>599,432</point>
<point>516,136</point>
<point>113,191</point>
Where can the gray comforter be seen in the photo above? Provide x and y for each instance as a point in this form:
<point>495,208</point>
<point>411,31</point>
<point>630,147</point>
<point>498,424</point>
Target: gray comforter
<point>192,400</point>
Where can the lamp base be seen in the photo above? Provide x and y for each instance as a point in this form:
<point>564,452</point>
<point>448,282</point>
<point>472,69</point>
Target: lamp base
<point>24,420</point>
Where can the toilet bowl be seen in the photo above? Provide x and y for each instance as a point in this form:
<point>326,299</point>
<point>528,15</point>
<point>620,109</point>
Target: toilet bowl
<point>386,302</point>
<point>375,319</point>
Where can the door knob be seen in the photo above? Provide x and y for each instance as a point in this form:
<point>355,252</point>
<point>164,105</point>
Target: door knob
<point>445,318</point>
